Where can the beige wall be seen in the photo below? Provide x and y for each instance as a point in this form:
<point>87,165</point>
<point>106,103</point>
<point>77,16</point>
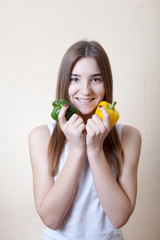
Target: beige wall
<point>34,34</point>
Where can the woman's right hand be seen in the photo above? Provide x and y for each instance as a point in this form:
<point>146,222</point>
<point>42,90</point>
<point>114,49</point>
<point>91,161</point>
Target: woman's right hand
<point>74,129</point>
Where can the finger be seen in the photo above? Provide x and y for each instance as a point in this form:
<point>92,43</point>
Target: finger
<point>92,125</point>
<point>78,122</point>
<point>98,123</point>
<point>82,128</point>
<point>61,116</point>
<point>97,119</point>
<point>106,117</point>
<point>74,118</point>
<point>89,130</point>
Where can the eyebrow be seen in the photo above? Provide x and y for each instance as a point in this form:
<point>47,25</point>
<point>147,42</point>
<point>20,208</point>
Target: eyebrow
<point>93,75</point>
<point>96,74</point>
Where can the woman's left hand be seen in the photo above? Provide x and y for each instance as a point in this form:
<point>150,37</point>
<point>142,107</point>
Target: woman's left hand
<point>97,130</point>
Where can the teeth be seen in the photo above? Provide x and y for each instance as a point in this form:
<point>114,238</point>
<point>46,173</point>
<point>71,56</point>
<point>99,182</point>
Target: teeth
<point>84,100</point>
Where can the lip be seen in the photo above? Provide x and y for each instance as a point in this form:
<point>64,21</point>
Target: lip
<point>84,100</point>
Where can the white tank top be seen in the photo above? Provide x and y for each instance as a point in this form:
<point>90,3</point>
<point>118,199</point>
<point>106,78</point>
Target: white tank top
<point>86,219</point>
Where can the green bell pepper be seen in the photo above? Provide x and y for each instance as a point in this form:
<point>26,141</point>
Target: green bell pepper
<point>58,104</point>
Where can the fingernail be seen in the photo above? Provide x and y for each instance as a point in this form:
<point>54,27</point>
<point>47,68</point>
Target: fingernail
<point>65,105</point>
<point>100,106</point>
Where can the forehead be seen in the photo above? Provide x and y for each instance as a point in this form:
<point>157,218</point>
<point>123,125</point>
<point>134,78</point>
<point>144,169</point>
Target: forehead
<point>86,65</point>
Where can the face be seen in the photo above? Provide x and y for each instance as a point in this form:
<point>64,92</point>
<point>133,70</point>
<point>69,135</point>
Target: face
<point>86,89</point>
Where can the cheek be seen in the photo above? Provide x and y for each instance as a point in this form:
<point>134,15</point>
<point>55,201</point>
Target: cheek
<point>101,92</point>
<point>71,90</point>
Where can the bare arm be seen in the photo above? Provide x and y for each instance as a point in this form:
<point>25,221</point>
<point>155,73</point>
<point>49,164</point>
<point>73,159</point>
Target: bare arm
<point>117,198</point>
<point>53,199</point>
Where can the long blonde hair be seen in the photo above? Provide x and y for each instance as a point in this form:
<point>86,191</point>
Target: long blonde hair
<point>112,145</point>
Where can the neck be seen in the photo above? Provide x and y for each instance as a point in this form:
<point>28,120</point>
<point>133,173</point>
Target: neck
<point>86,117</point>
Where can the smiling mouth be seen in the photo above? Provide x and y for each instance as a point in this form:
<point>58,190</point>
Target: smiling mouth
<point>85,100</point>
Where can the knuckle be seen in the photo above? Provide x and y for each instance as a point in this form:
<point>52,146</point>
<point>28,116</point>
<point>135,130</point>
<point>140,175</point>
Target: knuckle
<point>80,121</point>
<point>93,133</point>
<point>75,116</point>
<point>60,117</point>
<point>106,119</point>
<point>103,130</point>
<point>94,116</point>
<point>64,128</point>
<point>107,116</point>
<point>89,121</point>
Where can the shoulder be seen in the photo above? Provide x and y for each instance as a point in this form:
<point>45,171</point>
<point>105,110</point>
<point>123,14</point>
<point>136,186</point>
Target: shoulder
<point>39,132</point>
<point>38,142</point>
<point>131,143</point>
<point>39,138</point>
<point>130,133</point>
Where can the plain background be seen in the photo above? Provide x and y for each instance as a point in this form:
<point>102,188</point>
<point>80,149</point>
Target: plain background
<point>34,34</point>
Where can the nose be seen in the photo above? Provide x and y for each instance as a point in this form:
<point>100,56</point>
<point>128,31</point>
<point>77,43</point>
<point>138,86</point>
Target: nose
<point>86,88</point>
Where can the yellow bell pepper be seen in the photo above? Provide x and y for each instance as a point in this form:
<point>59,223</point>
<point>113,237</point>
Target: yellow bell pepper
<point>114,115</point>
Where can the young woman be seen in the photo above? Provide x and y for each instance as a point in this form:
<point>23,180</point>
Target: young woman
<point>84,171</point>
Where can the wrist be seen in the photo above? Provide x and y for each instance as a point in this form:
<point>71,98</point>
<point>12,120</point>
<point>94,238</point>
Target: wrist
<point>95,152</point>
<point>77,151</point>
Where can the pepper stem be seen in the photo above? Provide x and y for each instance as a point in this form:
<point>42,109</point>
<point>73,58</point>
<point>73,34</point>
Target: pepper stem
<point>55,103</point>
<point>112,106</point>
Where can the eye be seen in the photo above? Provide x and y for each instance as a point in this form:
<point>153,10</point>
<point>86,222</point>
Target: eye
<point>74,79</point>
<point>96,80</point>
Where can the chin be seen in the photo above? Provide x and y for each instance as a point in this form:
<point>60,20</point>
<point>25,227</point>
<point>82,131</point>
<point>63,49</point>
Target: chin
<point>87,114</point>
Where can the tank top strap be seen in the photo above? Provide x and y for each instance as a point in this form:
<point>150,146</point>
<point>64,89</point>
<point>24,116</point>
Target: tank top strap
<point>51,126</point>
<point>119,127</point>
